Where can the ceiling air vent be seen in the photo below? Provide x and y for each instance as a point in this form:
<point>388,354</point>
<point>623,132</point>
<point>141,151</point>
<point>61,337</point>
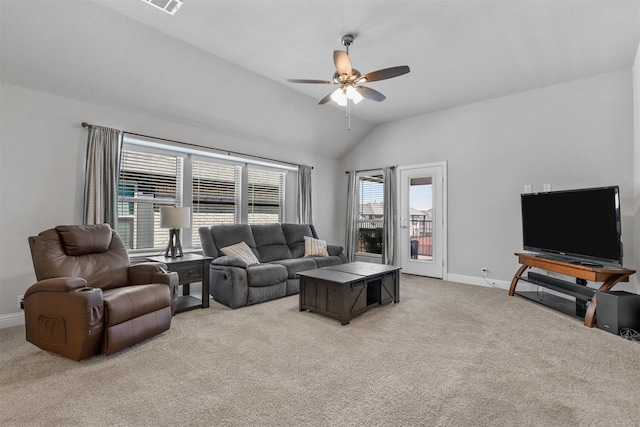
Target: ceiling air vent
<point>169,6</point>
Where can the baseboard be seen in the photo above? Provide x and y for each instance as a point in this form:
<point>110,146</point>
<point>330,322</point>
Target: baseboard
<point>11,319</point>
<point>486,282</point>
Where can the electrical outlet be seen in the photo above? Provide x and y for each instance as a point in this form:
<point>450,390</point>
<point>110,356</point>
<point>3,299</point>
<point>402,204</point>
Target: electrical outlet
<point>484,270</point>
<point>546,187</point>
<point>527,188</point>
<point>21,302</point>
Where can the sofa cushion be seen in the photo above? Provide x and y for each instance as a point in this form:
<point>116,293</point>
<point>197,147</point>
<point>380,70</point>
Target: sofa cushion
<point>229,234</point>
<point>266,274</point>
<point>296,265</point>
<point>241,251</point>
<point>270,242</point>
<point>294,233</point>
<point>314,247</point>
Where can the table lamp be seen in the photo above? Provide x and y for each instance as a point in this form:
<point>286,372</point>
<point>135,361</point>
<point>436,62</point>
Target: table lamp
<point>174,218</point>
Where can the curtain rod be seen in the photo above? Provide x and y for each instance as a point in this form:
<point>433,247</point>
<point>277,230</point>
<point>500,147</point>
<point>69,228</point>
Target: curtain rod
<point>369,170</point>
<point>228,152</point>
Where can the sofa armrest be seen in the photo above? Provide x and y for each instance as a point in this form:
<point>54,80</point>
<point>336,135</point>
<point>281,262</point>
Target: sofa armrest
<point>335,250</point>
<point>229,261</point>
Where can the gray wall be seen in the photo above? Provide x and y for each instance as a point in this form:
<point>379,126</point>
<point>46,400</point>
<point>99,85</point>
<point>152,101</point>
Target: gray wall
<point>573,135</point>
<point>42,172</point>
<point>636,166</point>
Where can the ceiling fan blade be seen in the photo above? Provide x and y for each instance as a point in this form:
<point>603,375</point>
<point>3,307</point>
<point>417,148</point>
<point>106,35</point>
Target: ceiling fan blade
<point>326,99</point>
<point>369,93</point>
<point>385,73</point>
<point>342,61</point>
<point>327,82</point>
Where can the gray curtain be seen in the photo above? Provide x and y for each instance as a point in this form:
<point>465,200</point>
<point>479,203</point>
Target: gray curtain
<point>351,236</point>
<point>304,212</point>
<point>390,215</point>
<point>101,176</point>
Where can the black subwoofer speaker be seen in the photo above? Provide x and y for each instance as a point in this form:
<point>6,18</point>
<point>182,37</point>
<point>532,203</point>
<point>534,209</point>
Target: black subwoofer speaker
<point>617,310</point>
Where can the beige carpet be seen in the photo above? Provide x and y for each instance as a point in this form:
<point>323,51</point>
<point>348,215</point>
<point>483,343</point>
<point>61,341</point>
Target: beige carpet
<point>447,355</point>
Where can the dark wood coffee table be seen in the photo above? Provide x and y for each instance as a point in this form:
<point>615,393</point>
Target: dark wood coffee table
<point>347,290</point>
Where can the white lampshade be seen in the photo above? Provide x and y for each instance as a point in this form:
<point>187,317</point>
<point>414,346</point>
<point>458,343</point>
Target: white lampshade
<point>353,94</point>
<point>339,97</point>
<point>175,217</point>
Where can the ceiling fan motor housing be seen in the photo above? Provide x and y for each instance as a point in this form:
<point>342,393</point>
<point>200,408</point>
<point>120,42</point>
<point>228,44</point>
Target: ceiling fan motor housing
<point>347,39</point>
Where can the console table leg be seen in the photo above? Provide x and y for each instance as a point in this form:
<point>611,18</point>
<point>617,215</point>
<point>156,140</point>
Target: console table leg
<point>590,315</point>
<point>516,277</point>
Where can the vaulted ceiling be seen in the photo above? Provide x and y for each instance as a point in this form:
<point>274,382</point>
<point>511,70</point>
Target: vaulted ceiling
<point>224,63</point>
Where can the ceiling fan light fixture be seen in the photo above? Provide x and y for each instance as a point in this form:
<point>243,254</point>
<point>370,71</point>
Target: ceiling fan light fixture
<point>339,97</point>
<point>350,80</point>
<point>353,94</point>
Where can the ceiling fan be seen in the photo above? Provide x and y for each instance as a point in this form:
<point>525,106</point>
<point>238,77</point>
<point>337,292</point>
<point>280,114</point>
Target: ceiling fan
<point>350,79</point>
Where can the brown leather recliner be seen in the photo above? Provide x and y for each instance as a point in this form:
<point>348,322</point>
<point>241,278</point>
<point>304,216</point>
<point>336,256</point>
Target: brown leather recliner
<point>89,298</point>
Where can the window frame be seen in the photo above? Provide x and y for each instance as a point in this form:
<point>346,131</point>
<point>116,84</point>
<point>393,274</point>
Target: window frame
<point>374,238</point>
<point>189,154</point>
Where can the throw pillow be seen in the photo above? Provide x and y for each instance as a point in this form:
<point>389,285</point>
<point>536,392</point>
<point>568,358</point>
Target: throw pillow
<point>315,247</point>
<point>241,250</point>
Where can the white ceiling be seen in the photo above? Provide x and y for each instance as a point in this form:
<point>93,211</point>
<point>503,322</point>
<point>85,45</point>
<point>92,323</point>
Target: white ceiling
<point>459,52</point>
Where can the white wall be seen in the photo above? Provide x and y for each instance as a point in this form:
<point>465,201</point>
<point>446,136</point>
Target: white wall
<point>42,155</point>
<point>636,167</point>
<point>573,135</point>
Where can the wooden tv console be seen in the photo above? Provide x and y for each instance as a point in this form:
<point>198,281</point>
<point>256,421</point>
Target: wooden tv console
<point>610,276</point>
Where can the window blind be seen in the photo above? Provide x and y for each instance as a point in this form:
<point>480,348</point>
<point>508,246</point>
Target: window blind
<point>265,195</point>
<point>216,195</point>
<point>147,181</point>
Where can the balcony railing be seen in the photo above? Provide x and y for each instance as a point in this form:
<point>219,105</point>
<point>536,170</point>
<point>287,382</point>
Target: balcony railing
<point>421,232</point>
<point>370,236</point>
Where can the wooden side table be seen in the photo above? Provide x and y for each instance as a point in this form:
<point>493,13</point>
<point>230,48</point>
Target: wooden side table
<point>191,268</point>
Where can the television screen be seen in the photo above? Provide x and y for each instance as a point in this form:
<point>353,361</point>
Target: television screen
<point>576,225</point>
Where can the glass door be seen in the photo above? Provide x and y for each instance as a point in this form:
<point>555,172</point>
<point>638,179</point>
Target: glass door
<point>422,222</point>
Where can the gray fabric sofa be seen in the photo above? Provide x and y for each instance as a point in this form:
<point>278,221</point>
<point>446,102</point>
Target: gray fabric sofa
<point>280,248</point>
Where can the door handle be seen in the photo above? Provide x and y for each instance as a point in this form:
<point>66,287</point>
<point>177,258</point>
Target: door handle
<point>404,226</point>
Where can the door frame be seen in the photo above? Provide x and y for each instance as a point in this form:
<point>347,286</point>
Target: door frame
<point>445,219</point>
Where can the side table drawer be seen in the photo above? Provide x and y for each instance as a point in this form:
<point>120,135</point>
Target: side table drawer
<point>191,268</point>
<point>189,273</point>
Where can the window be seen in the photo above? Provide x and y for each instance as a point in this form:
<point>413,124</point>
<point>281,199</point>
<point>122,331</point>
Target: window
<point>219,190</point>
<point>147,181</point>
<point>216,195</point>
<point>266,196</point>
<point>370,215</point>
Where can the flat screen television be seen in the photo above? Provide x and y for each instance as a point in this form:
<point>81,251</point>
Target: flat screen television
<point>578,226</point>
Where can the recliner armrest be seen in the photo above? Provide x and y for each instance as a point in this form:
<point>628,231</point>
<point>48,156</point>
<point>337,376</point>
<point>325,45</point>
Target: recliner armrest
<point>65,316</point>
<point>58,284</point>
<point>156,272</point>
<point>229,261</point>
<point>151,272</point>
